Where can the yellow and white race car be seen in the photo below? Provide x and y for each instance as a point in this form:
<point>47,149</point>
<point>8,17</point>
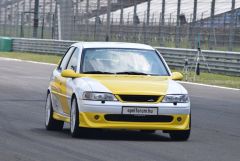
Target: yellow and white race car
<point>117,86</point>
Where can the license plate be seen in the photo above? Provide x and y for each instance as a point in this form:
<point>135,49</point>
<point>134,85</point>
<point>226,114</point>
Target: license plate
<point>140,110</point>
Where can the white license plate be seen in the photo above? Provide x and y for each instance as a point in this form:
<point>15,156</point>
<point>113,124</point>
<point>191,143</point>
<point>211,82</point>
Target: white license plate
<point>140,110</point>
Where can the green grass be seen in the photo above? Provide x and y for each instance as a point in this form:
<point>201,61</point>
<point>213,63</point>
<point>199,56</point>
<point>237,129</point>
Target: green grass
<point>205,78</point>
<point>216,79</point>
<point>47,58</point>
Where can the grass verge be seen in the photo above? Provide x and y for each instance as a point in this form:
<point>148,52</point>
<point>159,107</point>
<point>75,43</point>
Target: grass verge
<point>205,78</point>
<point>217,79</point>
<point>47,58</point>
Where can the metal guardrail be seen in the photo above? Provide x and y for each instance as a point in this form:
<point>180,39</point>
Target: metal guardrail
<point>41,45</point>
<point>227,63</point>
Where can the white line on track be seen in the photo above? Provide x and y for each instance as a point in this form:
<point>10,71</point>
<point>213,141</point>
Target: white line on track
<point>212,86</point>
<point>199,84</point>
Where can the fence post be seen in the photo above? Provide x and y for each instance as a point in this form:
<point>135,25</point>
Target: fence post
<point>43,19</point>
<point>97,21</point>
<point>5,21</point>
<point>148,11</point>
<point>30,18</point>
<point>86,18</point>
<point>193,24</point>
<point>121,20</point>
<point>177,36</point>
<point>17,18</point>
<point>21,27</point>
<point>1,10</point>
<point>211,39</point>
<point>135,20</point>
<point>231,32</point>
<point>11,20</point>
<point>22,19</point>
<point>52,14</point>
<point>162,23</point>
<point>35,19</point>
<point>121,14</point>
<point>147,23</point>
<point>107,38</point>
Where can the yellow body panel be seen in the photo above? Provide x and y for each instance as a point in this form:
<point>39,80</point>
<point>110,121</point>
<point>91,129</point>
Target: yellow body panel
<point>59,89</point>
<point>87,120</point>
<point>133,84</point>
<point>63,96</point>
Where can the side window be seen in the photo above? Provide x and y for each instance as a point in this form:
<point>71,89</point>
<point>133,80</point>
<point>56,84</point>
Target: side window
<point>65,59</point>
<point>73,62</point>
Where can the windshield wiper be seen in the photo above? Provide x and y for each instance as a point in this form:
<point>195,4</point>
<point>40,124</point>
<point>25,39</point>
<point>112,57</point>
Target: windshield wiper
<point>132,73</point>
<point>97,72</point>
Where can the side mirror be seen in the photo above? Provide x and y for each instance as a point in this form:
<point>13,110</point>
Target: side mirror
<point>177,76</point>
<point>69,73</point>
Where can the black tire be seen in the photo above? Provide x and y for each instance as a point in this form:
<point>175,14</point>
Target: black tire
<point>148,131</point>
<point>181,135</point>
<point>50,122</point>
<point>74,126</point>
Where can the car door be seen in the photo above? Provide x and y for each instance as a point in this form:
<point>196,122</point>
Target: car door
<point>58,85</point>
<point>67,83</point>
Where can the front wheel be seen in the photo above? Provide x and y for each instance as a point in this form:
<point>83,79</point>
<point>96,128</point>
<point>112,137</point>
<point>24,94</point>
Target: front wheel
<point>50,122</point>
<point>74,119</point>
<point>182,135</point>
<point>148,131</point>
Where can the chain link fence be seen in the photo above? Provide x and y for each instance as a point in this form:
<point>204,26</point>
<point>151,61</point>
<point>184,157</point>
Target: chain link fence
<point>209,24</point>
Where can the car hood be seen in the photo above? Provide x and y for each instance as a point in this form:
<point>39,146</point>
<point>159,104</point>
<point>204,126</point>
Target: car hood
<point>126,84</point>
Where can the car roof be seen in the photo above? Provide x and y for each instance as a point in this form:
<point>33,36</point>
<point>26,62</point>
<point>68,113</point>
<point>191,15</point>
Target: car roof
<point>112,45</point>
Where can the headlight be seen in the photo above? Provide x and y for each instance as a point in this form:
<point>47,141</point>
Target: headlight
<point>183,98</point>
<point>98,96</point>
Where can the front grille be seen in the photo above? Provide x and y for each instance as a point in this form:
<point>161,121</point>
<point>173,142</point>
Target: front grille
<point>140,118</point>
<point>139,98</point>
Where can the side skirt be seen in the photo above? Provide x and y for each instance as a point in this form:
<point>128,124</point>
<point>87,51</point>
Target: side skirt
<point>61,117</point>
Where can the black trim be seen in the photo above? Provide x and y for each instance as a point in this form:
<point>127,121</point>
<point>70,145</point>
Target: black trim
<point>63,58</point>
<point>58,68</point>
<point>138,98</point>
<point>71,56</point>
<point>158,53</point>
<point>138,118</point>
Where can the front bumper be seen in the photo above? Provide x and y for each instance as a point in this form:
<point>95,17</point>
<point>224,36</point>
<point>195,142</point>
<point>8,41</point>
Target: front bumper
<point>88,120</point>
<point>92,115</point>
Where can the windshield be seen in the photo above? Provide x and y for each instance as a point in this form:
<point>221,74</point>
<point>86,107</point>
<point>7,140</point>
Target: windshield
<point>122,61</point>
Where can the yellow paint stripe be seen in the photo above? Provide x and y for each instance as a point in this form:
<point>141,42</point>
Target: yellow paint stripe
<point>54,92</point>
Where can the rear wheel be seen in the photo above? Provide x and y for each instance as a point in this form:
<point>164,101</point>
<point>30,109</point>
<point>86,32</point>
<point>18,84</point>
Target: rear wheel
<point>74,119</point>
<point>50,122</point>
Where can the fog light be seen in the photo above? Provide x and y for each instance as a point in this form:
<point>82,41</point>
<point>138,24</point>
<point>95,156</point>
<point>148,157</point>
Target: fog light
<point>179,119</point>
<point>96,117</point>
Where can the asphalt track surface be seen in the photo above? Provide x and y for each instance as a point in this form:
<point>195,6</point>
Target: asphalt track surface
<point>215,126</point>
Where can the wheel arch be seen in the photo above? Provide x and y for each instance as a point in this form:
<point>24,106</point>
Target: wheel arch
<point>74,95</point>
